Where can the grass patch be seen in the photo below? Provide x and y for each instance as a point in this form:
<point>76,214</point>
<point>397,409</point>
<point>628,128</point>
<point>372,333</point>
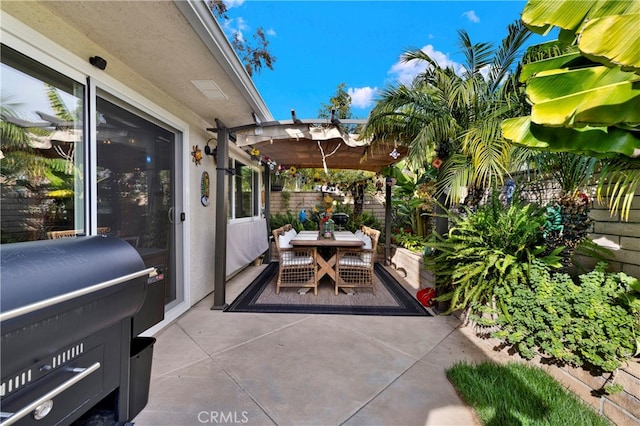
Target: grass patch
<point>518,394</point>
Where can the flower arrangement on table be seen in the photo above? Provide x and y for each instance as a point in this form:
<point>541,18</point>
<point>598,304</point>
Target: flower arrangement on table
<point>323,211</point>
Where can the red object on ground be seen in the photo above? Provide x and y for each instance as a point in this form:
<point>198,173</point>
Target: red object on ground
<point>426,295</point>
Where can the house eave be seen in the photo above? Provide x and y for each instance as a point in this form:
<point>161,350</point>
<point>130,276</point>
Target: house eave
<point>204,24</point>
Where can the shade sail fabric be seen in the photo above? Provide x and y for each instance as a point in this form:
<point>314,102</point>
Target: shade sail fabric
<point>316,146</point>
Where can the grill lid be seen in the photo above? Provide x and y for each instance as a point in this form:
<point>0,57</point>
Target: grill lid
<point>36,271</point>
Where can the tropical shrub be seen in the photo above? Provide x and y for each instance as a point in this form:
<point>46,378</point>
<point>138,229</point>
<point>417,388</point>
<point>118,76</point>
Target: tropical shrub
<point>280,219</point>
<point>576,224</point>
<point>412,201</point>
<point>411,242</point>
<point>593,323</point>
<point>490,249</point>
<point>366,219</point>
<point>277,220</point>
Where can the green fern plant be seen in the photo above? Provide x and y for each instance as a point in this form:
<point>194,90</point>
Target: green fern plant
<point>488,249</point>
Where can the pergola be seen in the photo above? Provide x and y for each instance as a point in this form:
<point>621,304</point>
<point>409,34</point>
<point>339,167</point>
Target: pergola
<point>301,143</point>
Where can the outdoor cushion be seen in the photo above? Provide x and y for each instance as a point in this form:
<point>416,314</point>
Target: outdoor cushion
<point>367,242</point>
<point>297,260</point>
<point>291,233</point>
<point>284,242</point>
<point>366,257</point>
<point>353,261</point>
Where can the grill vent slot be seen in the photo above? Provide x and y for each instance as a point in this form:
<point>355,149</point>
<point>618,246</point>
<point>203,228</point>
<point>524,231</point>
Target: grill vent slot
<point>67,355</point>
<point>14,383</point>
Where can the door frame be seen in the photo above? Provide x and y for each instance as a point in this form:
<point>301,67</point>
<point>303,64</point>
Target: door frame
<point>129,97</point>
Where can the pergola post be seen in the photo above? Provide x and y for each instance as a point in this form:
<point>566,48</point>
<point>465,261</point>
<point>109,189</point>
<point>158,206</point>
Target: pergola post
<point>442,228</point>
<point>220,245</point>
<point>267,209</point>
<point>387,222</point>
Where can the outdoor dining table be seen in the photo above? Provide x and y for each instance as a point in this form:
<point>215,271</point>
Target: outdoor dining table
<point>326,266</point>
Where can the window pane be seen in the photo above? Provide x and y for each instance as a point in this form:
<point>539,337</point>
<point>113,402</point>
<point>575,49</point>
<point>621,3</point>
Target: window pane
<point>243,190</point>
<point>135,160</point>
<point>256,194</point>
<point>41,154</point>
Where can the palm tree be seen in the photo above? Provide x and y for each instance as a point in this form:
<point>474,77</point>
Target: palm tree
<point>457,116</point>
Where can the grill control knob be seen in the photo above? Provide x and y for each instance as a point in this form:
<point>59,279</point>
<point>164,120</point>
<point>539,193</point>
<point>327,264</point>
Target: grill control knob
<point>43,409</point>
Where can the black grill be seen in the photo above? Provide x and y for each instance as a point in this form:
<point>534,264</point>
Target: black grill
<point>67,312</point>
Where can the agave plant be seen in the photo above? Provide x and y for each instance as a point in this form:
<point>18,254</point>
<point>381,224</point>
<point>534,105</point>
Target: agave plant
<point>489,249</point>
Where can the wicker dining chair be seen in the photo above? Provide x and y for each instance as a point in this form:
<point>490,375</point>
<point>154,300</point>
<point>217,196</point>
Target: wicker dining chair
<point>354,266</point>
<point>297,265</point>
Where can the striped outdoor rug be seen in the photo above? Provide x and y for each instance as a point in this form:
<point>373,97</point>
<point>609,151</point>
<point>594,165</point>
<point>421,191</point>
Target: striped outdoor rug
<point>390,298</point>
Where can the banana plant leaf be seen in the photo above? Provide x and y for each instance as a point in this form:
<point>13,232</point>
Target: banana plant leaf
<point>558,83</point>
<point>541,15</point>
<point>621,46</point>
<point>598,96</point>
<point>569,60</point>
<point>600,142</point>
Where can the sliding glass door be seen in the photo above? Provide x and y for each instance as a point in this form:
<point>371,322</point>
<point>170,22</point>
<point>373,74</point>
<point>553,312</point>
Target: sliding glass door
<point>136,186</point>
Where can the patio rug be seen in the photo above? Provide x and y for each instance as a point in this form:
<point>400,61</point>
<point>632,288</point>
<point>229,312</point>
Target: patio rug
<point>390,298</point>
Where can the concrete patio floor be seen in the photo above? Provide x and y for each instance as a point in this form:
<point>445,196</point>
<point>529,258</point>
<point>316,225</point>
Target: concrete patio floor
<point>213,367</point>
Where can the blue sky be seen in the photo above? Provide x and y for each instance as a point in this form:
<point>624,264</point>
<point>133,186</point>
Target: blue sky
<point>320,44</point>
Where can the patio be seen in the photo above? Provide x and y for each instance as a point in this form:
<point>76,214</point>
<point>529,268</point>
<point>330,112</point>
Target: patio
<point>215,367</point>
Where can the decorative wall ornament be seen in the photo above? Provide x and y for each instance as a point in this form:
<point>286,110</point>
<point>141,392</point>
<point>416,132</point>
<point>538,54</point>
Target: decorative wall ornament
<point>196,155</point>
<point>204,189</point>
<point>394,154</point>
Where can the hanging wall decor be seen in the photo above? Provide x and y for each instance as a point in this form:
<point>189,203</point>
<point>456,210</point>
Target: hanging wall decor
<point>196,154</point>
<point>204,189</point>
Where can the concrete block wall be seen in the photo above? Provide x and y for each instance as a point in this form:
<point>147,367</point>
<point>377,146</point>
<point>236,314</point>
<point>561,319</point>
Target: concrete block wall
<point>620,236</point>
<point>309,199</point>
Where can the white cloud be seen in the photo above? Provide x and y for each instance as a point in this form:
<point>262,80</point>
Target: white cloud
<point>362,97</point>
<point>471,16</point>
<point>235,26</point>
<point>405,72</point>
<point>240,24</point>
<point>233,3</point>
<point>484,71</point>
